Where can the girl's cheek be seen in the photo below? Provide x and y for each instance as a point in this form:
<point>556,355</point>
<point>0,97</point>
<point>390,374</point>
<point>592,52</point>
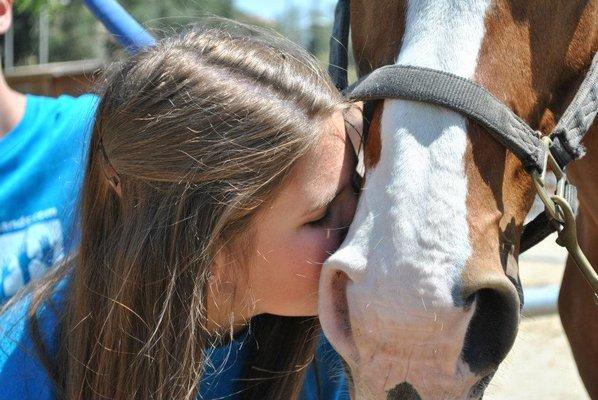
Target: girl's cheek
<point>324,242</point>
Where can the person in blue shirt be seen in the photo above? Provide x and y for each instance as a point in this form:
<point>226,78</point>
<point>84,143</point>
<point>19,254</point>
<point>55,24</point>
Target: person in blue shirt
<point>219,179</point>
<point>43,145</point>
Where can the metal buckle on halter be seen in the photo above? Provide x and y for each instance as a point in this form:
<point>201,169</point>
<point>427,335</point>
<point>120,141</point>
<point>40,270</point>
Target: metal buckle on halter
<point>560,212</point>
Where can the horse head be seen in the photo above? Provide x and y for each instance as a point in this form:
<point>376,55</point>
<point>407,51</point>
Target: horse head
<point>422,299</point>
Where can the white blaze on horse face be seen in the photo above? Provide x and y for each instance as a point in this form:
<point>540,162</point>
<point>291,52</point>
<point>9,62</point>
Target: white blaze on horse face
<point>409,242</point>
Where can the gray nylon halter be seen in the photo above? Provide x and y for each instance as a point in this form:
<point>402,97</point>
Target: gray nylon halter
<point>475,102</point>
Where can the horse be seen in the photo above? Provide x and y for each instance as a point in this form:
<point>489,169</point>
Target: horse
<point>422,299</point>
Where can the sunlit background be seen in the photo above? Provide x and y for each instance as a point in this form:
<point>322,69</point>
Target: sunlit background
<point>47,31</point>
<point>57,46</point>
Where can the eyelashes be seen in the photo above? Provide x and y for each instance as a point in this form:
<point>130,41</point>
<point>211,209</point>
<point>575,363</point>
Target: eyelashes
<point>323,220</point>
<point>333,214</point>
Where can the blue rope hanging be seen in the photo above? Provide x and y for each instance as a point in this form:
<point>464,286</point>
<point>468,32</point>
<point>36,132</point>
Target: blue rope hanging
<point>129,33</point>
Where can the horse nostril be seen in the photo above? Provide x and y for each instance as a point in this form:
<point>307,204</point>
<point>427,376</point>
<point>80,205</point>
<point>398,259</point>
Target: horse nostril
<point>492,329</point>
<point>334,311</point>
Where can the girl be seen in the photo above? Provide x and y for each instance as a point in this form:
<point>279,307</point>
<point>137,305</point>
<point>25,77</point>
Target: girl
<point>219,179</point>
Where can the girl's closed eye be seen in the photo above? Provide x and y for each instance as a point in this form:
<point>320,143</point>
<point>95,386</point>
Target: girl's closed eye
<point>338,213</point>
<point>322,217</point>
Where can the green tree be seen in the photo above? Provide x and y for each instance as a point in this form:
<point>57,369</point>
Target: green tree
<point>25,38</point>
<point>75,33</point>
<point>35,6</point>
<point>319,32</point>
<point>290,25</point>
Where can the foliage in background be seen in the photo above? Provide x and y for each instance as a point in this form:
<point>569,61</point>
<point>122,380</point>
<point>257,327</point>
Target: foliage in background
<point>75,34</point>
<point>35,6</point>
<point>25,42</point>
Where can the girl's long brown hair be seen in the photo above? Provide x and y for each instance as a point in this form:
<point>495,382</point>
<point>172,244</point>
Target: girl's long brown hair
<point>202,130</point>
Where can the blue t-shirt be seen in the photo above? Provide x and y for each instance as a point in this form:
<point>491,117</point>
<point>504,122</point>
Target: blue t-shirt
<point>42,164</point>
<point>23,377</point>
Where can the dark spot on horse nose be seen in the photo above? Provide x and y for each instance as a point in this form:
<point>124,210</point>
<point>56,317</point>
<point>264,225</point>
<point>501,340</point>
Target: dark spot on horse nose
<point>403,391</point>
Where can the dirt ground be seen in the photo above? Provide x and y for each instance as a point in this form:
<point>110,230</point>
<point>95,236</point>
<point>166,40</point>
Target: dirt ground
<point>540,365</point>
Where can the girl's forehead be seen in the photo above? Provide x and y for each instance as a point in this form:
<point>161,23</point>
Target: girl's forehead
<point>327,166</point>
<point>329,156</point>
<point>320,172</point>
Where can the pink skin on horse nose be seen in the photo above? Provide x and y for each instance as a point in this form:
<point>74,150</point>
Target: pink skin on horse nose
<point>388,340</point>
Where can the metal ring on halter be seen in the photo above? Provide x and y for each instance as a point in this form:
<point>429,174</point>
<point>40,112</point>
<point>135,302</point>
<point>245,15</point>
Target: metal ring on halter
<point>560,212</point>
<point>568,239</point>
<point>539,179</point>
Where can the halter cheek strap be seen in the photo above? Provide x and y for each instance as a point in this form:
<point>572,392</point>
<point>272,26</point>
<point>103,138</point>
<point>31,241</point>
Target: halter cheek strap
<point>339,45</point>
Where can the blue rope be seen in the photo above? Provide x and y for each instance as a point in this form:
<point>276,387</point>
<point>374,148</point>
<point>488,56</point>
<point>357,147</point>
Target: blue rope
<point>129,33</point>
